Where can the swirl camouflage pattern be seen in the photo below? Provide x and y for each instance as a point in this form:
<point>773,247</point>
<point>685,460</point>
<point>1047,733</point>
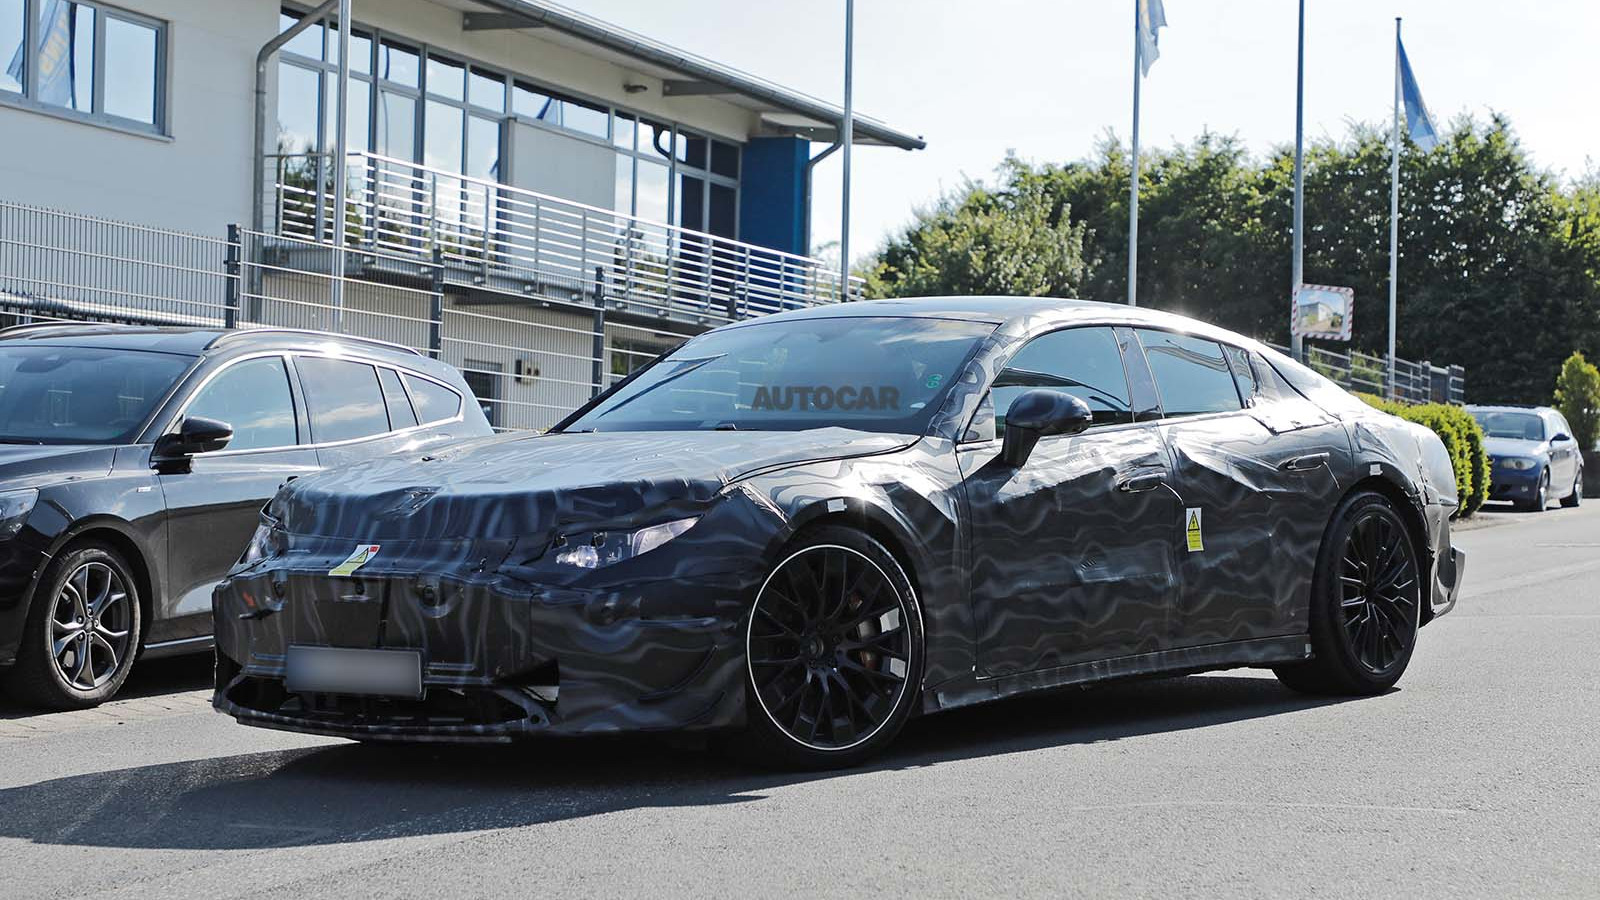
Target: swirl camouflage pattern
<point>1168,497</point>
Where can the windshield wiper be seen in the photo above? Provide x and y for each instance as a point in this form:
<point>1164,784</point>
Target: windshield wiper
<point>12,440</point>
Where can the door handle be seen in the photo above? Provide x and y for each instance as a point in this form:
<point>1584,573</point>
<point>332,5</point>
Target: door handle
<point>1306,463</point>
<point>1135,484</point>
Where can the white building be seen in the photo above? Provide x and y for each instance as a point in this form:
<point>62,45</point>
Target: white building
<point>541,198</point>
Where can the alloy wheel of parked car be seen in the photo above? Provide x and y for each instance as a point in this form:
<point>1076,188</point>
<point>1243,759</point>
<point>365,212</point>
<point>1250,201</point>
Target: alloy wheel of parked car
<point>1366,602</point>
<point>833,649</point>
<point>1576,497</point>
<point>82,632</point>
<point>1541,497</point>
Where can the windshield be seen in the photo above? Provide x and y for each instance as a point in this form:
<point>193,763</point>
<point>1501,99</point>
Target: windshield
<point>1519,425</point>
<point>871,373</point>
<point>81,395</point>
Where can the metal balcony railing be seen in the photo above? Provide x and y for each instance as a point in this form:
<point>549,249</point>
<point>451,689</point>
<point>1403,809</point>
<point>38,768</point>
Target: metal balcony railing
<point>501,238</point>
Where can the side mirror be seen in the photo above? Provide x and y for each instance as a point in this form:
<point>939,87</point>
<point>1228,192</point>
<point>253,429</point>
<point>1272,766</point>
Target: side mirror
<point>1039,413</point>
<point>195,434</point>
<point>1561,437</point>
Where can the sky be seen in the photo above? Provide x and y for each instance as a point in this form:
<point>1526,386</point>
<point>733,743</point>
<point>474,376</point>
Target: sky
<point>1046,79</point>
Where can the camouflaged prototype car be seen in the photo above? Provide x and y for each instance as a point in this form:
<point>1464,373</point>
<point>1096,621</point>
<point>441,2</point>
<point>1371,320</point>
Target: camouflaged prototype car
<point>805,529</point>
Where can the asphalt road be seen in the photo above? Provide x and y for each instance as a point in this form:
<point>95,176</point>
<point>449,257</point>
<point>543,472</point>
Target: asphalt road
<point>1479,776</point>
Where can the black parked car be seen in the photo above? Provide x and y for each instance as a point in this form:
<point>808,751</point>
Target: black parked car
<point>814,525</point>
<point>135,465</point>
<point>1533,456</point>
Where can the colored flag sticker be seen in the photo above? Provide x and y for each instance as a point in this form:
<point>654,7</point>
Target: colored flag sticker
<point>357,558</point>
<point>1191,529</point>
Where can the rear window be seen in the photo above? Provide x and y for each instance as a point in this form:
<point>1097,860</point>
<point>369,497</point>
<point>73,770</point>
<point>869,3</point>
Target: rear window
<point>435,402</point>
<point>344,397</point>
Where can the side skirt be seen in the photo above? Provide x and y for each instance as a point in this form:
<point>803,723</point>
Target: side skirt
<point>178,647</point>
<point>1231,655</point>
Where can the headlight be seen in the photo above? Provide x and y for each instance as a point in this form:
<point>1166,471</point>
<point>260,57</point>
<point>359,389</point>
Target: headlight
<point>14,509</point>
<point>602,548</point>
<point>263,543</point>
<point>1518,463</point>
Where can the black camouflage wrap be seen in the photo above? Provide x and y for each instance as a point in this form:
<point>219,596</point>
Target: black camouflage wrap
<point>1070,568</point>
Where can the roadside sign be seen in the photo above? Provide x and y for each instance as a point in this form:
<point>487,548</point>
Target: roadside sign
<point>1323,311</point>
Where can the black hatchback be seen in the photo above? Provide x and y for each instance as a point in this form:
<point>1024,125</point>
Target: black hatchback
<point>134,463</point>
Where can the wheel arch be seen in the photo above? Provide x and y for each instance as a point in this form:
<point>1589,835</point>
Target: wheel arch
<point>120,536</point>
<point>875,523</point>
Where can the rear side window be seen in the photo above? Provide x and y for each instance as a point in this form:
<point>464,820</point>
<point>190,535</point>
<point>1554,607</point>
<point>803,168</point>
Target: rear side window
<point>1191,374</point>
<point>1243,375</point>
<point>253,397</point>
<point>435,402</point>
<point>401,415</point>
<point>344,397</point>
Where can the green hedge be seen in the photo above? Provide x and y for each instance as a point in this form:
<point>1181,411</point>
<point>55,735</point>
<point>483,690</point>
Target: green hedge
<point>1463,440</point>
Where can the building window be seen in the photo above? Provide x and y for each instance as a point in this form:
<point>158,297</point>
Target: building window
<point>91,60</point>
<point>413,103</point>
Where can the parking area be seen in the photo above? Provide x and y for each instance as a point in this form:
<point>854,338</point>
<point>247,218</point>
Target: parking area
<point>1479,776</point>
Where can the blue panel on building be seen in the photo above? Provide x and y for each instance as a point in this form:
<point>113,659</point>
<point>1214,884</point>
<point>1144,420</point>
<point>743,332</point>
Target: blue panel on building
<point>772,187</point>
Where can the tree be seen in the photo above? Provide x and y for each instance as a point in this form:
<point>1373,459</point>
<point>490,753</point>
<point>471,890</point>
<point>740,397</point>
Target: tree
<point>1578,398</point>
<point>1011,240</point>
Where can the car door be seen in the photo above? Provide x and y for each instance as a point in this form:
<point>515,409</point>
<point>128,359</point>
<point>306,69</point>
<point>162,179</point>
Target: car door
<point>1563,454</point>
<point>213,503</point>
<point>1073,552</point>
<point>1256,470</point>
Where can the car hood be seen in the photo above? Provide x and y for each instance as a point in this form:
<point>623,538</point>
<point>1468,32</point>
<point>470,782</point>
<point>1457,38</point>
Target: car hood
<point>36,465</point>
<point>1499,446</point>
<point>528,484</point>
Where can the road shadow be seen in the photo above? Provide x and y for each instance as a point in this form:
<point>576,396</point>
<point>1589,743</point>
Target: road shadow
<point>351,793</point>
<point>149,678</point>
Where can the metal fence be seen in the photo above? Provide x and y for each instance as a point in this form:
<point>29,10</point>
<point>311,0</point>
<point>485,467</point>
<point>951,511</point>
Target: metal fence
<point>1414,382</point>
<point>486,233</point>
<point>530,349</point>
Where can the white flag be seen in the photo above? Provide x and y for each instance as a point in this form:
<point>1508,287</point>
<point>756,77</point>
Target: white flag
<point>1151,18</point>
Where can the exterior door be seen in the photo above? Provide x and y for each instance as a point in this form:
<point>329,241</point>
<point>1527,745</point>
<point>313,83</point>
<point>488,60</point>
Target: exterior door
<point>214,506</point>
<point>1256,475</point>
<point>1563,454</point>
<point>1073,552</point>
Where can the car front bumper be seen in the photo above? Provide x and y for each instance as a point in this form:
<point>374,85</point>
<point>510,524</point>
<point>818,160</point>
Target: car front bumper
<point>20,565</point>
<point>501,658</point>
<point>1513,484</point>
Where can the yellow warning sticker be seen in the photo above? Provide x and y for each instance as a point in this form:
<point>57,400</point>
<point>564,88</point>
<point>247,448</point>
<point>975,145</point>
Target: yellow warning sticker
<point>1191,529</point>
<point>357,558</point>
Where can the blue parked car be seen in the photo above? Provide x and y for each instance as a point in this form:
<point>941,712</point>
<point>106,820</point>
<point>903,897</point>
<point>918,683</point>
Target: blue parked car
<point>1532,455</point>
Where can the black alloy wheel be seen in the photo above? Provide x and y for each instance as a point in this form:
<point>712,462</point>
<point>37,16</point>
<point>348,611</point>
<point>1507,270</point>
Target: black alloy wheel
<point>1366,602</point>
<point>834,651</point>
<point>82,632</point>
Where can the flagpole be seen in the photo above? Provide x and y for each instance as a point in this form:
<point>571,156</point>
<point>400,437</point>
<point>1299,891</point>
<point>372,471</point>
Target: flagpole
<point>1133,179</point>
<point>1394,209</point>
<point>1297,268</point>
<point>847,130</point>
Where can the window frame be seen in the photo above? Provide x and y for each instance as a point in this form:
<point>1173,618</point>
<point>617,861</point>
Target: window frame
<point>28,98</point>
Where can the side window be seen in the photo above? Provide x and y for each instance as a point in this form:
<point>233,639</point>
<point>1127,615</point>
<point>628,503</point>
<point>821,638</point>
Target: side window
<point>401,415</point>
<point>1191,374</point>
<point>435,402</point>
<point>252,396</point>
<point>1081,361</point>
<point>1243,375</point>
<point>344,397</point>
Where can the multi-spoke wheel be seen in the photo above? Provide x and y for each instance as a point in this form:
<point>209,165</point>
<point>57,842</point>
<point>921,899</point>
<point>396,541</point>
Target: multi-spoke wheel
<point>834,651</point>
<point>82,632</point>
<point>1366,602</point>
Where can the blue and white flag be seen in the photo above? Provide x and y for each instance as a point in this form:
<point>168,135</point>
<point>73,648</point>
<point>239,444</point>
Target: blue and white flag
<point>1151,18</point>
<point>1419,123</point>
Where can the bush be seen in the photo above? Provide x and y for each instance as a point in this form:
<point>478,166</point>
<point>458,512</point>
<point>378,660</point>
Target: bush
<point>1463,440</point>
<point>1578,398</point>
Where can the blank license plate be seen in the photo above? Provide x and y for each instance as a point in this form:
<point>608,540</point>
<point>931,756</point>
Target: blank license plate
<point>338,670</point>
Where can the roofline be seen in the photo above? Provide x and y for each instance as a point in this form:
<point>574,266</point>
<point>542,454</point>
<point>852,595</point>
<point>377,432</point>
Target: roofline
<point>240,333</point>
<point>697,68</point>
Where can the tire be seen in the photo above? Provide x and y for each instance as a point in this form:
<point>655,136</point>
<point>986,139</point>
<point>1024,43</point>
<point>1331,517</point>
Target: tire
<point>1541,499</point>
<point>87,597</point>
<point>1576,497</point>
<point>1366,602</point>
<point>833,654</point>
